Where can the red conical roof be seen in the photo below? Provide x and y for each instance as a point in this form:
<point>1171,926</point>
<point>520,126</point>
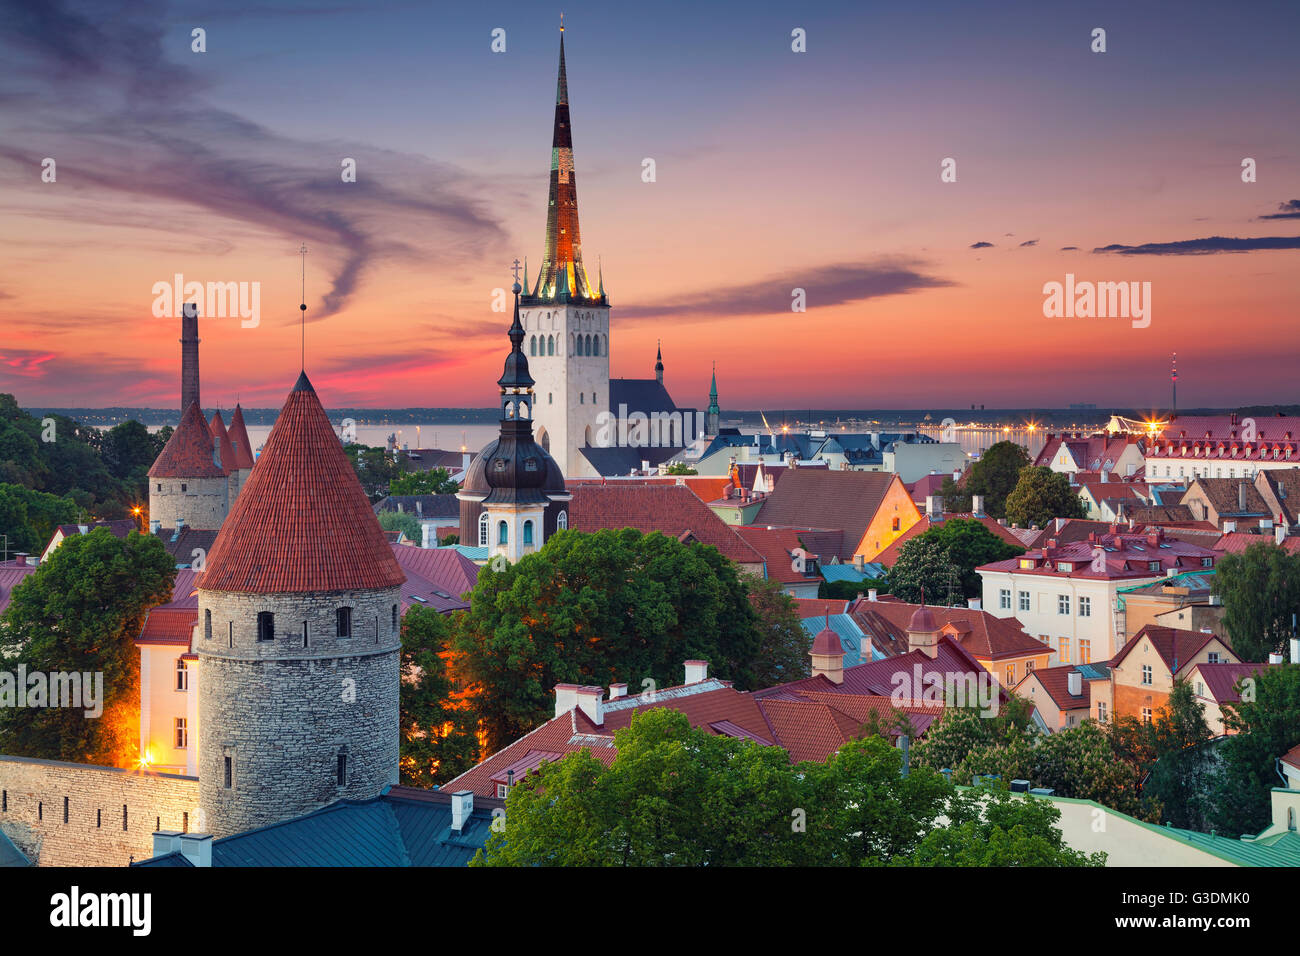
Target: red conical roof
<point>239,438</point>
<point>222,439</point>
<point>188,453</point>
<point>301,521</point>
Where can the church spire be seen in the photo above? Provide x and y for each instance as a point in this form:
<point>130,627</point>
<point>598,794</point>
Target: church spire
<point>659,361</point>
<point>714,413</point>
<point>563,237</point>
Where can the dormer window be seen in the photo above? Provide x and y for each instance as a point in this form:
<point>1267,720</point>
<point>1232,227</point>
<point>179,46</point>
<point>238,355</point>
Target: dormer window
<point>530,464</point>
<point>1027,563</point>
<point>1064,566</point>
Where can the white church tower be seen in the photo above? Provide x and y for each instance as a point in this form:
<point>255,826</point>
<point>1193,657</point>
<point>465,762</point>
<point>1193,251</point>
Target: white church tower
<point>566,320</point>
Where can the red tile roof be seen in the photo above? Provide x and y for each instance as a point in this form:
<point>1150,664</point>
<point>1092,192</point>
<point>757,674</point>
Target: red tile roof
<point>1292,757</point>
<point>1089,452</point>
<point>225,449</point>
<point>1175,647</point>
<point>672,509</point>
<point>239,438</point>
<point>1056,682</point>
<point>173,622</point>
<point>189,452</point>
<point>819,607</point>
<point>1122,555</point>
<point>985,636</point>
<point>776,545</point>
<point>302,522</point>
<point>1221,679</point>
<point>429,571</point>
<point>1237,541</point>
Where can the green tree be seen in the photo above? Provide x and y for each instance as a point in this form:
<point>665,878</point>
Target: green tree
<point>995,475</point>
<point>674,796</point>
<point>436,481</point>
<point>680,468</point>
<point>1260,588</point>
<point>970,544</point>
<point>402,521</point>
<point>374,468</point>
<point>80,612</point>
<point>1041,495</point>
<point>438,741</point>
<point>1263,729</point>
<point>849,590</point>
<point>783,643</point>
<point>955,498</point>
<point>596,609</point>
<point>993,828</point>
<point>1181,772</point>
<point>923,569</point>
<point>29,517</point>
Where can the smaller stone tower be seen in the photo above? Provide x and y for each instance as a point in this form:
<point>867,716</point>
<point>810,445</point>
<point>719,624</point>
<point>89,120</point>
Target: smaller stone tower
<point>188,488</point>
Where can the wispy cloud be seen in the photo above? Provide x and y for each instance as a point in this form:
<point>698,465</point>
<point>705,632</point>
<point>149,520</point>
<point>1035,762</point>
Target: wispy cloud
<point>1203,247</point>
<point>981,245</point>
<point>1286,210</point>
<point>824,286</point>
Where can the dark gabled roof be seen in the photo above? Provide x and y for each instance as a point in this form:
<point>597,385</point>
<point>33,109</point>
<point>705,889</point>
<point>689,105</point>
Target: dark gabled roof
<point>820,498</point>
<point>616,461</point>
<point>645,395</point>
<point>402,827</point>
<point>1221,679</point>
<point>1175,647</point>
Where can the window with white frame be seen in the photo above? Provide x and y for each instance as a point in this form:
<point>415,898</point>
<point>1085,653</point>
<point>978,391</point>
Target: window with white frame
<point>1085,607</point>
<point>1063,604</point>
<point>1024,600</point>
<point>1146,674</point>
<point>182,675</point>
<point>182,734</point>
<point>1004,599</point>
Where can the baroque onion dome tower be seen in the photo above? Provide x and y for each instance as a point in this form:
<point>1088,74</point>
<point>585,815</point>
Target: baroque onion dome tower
<point>298,637</point>
<point>187,485</point>
<point>514,496</point>
<point>565,319</point>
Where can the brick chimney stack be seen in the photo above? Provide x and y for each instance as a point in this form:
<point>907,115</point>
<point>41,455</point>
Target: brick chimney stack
<point>189,355</point>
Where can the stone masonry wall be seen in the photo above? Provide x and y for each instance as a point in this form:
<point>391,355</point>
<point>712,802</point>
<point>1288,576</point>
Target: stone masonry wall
<point>202,505</point>
<point>283,712</point>
<point>32,795</point>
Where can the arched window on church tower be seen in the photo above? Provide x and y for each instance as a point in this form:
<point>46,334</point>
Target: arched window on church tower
<point>483,530</point>
<point>571,349</point>
<point>532,345</point>
<point>503,533</point>
<point>528,532</point>
<point>562,520</point>
<point>550,345</point>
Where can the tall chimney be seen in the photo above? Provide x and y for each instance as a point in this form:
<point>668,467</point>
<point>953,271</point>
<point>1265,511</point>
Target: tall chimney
<point>1241,497</point>
<point>1074,683</point>
<point>189,355</point>
<point>462,808</point>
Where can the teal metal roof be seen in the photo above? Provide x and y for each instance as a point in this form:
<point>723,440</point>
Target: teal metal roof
<point>10,855</point>
<point>403,827</point>
<point>1280,849</point>
<point>847,572</point>
<point>473,553</point>
<point>846,629</point>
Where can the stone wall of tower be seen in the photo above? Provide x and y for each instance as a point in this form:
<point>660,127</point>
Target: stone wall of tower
<point>567,382</point>
<point>201,502</point>
<point>283,712</point>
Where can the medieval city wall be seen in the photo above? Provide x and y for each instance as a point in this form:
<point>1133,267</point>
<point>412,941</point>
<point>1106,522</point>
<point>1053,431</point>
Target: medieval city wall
<point>69,814</point>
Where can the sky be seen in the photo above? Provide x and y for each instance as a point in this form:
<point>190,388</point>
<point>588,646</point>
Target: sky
<point>774,170</point>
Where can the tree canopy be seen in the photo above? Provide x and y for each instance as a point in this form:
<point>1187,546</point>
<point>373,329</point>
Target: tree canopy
<point>994,476</point>
<point>80,612</point>
<point>1041,495</point>
<point>681,796</point>
<point>438,732</point>
<point>967,544</point>
<point>435,481</point>
<point>924,569</point>
<point>1260,588</point>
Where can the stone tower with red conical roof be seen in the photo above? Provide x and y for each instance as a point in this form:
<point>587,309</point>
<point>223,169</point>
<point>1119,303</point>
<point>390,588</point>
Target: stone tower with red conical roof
<point>566,318</point>
<point>187,484</point>
<point>299,636</point>
<point>238,434</point>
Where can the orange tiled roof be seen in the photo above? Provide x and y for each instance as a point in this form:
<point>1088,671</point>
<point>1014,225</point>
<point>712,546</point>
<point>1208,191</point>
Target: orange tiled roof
<point>188,453</point>
<point>302,522</point>
<point>221,438</point>
<point>239,438</point>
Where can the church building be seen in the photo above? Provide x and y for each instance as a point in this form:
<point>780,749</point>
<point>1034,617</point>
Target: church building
<point>593,425</point>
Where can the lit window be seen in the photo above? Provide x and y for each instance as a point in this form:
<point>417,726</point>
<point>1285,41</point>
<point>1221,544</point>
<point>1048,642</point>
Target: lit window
<point>1146,715</point>
<point>182,734</point>
<point>1085,650</point>
<point>182,675</point>
<point>1065,650</point>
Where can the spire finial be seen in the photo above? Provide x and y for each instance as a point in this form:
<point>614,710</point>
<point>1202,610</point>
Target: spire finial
<point>561,21</point>
<point>302,251</point>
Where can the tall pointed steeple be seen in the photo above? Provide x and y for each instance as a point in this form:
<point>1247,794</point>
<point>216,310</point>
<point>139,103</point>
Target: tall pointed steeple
<point>659,362</point>
<point>714,412</point>
<point>563,258</point>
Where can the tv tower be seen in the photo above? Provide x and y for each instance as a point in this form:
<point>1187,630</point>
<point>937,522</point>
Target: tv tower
<point>1173,377</point>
